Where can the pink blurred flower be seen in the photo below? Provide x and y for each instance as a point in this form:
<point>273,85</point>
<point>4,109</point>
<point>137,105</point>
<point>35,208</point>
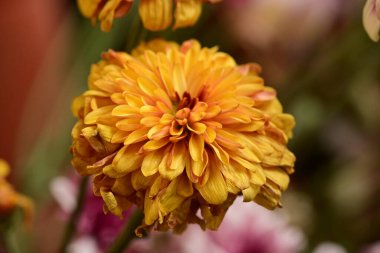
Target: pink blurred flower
<point>253,229</point>
<point>374,248</point>
<point>247,228</point>
<point>94,227</point>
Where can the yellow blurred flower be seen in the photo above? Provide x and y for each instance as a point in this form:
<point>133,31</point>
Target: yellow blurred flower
<point>178,129</point>
<point>156,15</point>
<point>9,198</point>
<point>371,19</point>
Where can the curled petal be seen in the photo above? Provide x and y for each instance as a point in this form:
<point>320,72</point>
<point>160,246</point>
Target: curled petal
<point>196,147</point>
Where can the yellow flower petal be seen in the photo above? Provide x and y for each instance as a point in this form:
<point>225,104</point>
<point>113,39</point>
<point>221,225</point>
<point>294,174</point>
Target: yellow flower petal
<point>197,127</point>
<point>93,117</point>
<point>236,175</point>
<point>220,153</point>
<point>77,105</point>
<point>123,186</point>
<point>126,111</point>
<point>136,136</point>
<point>214,191</point>
<point>196,147</point>
<point>209,135</point>
<point>155,144</point>
<point>128,125</point>
<point>139,181</point>
<point>106,132</point>
<point>126,161</point>
<point>185,187</point>
<point>198,167</point>
<point>158,185</point>
<point>174,163</point>
<point>151,162</point>
<point>111,202</point>
<point>215,217</point>
<point>169,199</point>
<point>151,210</point>
<point>277,175</point>
<point>250,193</point>
<point>179,80</point>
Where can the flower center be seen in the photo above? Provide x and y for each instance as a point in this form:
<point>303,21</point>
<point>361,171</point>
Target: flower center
<point>187,101</point>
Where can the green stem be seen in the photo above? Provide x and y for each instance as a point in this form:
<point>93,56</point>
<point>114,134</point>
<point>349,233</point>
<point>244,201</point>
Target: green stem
<point>71,225</point>
<point>7,243</point>
<point>135,33</point>
<point>126,236</point>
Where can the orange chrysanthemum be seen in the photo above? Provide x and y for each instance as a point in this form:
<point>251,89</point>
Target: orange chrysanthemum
<point>178,129</point>
<point>155,14</point>
<point>9,198</point>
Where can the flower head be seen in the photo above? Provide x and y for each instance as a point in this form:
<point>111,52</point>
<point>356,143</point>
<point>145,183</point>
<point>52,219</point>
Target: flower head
<point>155,14</point>
<point>9,198</point>
<point>371,19</point>
<point>179,129</point>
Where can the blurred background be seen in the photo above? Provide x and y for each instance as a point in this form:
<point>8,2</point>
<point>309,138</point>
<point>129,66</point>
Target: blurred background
<point>314,52</point>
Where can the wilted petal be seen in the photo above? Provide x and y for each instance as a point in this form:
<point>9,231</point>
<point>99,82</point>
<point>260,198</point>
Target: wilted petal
<point>151,210</point>
<point>111,202</point>
<point>277,175</point>
<point>250,193</point>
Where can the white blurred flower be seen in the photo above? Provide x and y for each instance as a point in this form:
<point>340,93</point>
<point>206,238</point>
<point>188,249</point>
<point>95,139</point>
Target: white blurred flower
<point>329,247</point>
<point>64,191</point>
<point>281,23</point>
<point>85,244</point>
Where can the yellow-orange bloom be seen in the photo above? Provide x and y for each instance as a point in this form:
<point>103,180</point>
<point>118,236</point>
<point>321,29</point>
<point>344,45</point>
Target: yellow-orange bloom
<point>9,198</point>
<point>156,15</point>
<point>176,129</point>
